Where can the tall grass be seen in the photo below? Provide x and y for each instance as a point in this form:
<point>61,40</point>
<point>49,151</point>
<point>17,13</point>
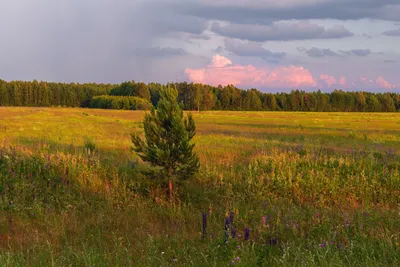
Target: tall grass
<point>269,193</point>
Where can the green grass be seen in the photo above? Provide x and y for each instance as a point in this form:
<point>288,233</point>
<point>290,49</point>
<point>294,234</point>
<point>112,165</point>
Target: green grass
<point>314,189</point>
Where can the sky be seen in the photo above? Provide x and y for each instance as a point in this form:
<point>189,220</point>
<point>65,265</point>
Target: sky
<point>271,45</point>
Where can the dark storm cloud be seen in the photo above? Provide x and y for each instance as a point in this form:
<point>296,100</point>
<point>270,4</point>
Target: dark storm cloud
<point>71,40</point>
<point>250,49</point>
<point>266,11</point>
<point>280,31</point>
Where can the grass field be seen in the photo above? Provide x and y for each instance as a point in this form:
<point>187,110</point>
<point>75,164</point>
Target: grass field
<point>312,189</point>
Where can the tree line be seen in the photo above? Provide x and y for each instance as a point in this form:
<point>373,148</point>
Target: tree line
<point>192,96</point>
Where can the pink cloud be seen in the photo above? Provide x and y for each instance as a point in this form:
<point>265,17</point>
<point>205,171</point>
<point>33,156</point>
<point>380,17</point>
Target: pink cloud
<point>383,83</point>
<point>329,80</point>
<point>342,80</point>
<point>222,72</point>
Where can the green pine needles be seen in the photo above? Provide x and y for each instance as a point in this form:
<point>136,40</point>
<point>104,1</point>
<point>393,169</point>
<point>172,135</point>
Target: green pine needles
<point>167,143</point>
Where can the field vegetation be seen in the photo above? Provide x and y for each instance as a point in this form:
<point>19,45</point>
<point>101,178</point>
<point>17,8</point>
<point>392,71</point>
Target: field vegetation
<point>274,189</point>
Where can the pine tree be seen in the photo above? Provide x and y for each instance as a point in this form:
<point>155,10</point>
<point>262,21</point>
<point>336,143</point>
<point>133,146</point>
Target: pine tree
<point>167,144</point>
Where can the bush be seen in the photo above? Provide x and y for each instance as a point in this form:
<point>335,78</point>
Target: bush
<point>120,102</point>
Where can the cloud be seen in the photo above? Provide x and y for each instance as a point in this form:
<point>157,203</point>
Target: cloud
<point>383,83</point>
<point>326,52</point>
<point>250,49</point>
<point>336,32</point>
<point>222,72</point>
<point>357,52</point>
<point>378,83</point>
<point>266,11</point>
<point>392,32</point>
<point>329,80</point>
<point>317,52</point>
<point>342,81</point>
<point>280,31</point>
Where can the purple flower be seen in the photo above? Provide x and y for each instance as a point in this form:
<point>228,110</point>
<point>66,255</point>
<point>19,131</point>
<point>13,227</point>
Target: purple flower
<point>204,225</point>
<point>226,228</point>
<point>247,234</point>
<point>231,217</point>
<point>237,259</point>
<point>273,241</point>
<point>233,232</point>
<point>233,261</point>
<point>322,245</point>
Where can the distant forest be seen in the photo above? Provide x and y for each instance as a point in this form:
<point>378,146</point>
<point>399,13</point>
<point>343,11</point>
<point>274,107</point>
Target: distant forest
<point>137,95</point>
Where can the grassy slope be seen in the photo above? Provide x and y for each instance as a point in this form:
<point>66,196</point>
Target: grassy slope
<point>326,186</point>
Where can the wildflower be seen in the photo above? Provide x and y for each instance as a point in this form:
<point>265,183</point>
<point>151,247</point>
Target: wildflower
<point>204,225</point>
<point>233,232</point>
<point>237,259</point>
<point>226,227</point>
<point>347,224</point>
<point>273,241</point>
<point>322,245</point>
<point>233,261</point>
<point>231,217</point>
<point>174,260</point>
<point>218,246</point>
<point>247,234</point>
<point>226,224</point>
<point>162,253</point>
<point>238,247</point>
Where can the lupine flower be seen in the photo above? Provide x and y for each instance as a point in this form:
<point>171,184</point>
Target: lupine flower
<point>227,224</point>
<point>247,234</point>
<point>226,228</point>
<point>233,232</point>
<point>273,241</point>
<point>231,217</point>
<point>204,225</point>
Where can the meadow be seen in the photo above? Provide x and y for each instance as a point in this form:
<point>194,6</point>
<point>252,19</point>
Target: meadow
<point>274,189</point>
